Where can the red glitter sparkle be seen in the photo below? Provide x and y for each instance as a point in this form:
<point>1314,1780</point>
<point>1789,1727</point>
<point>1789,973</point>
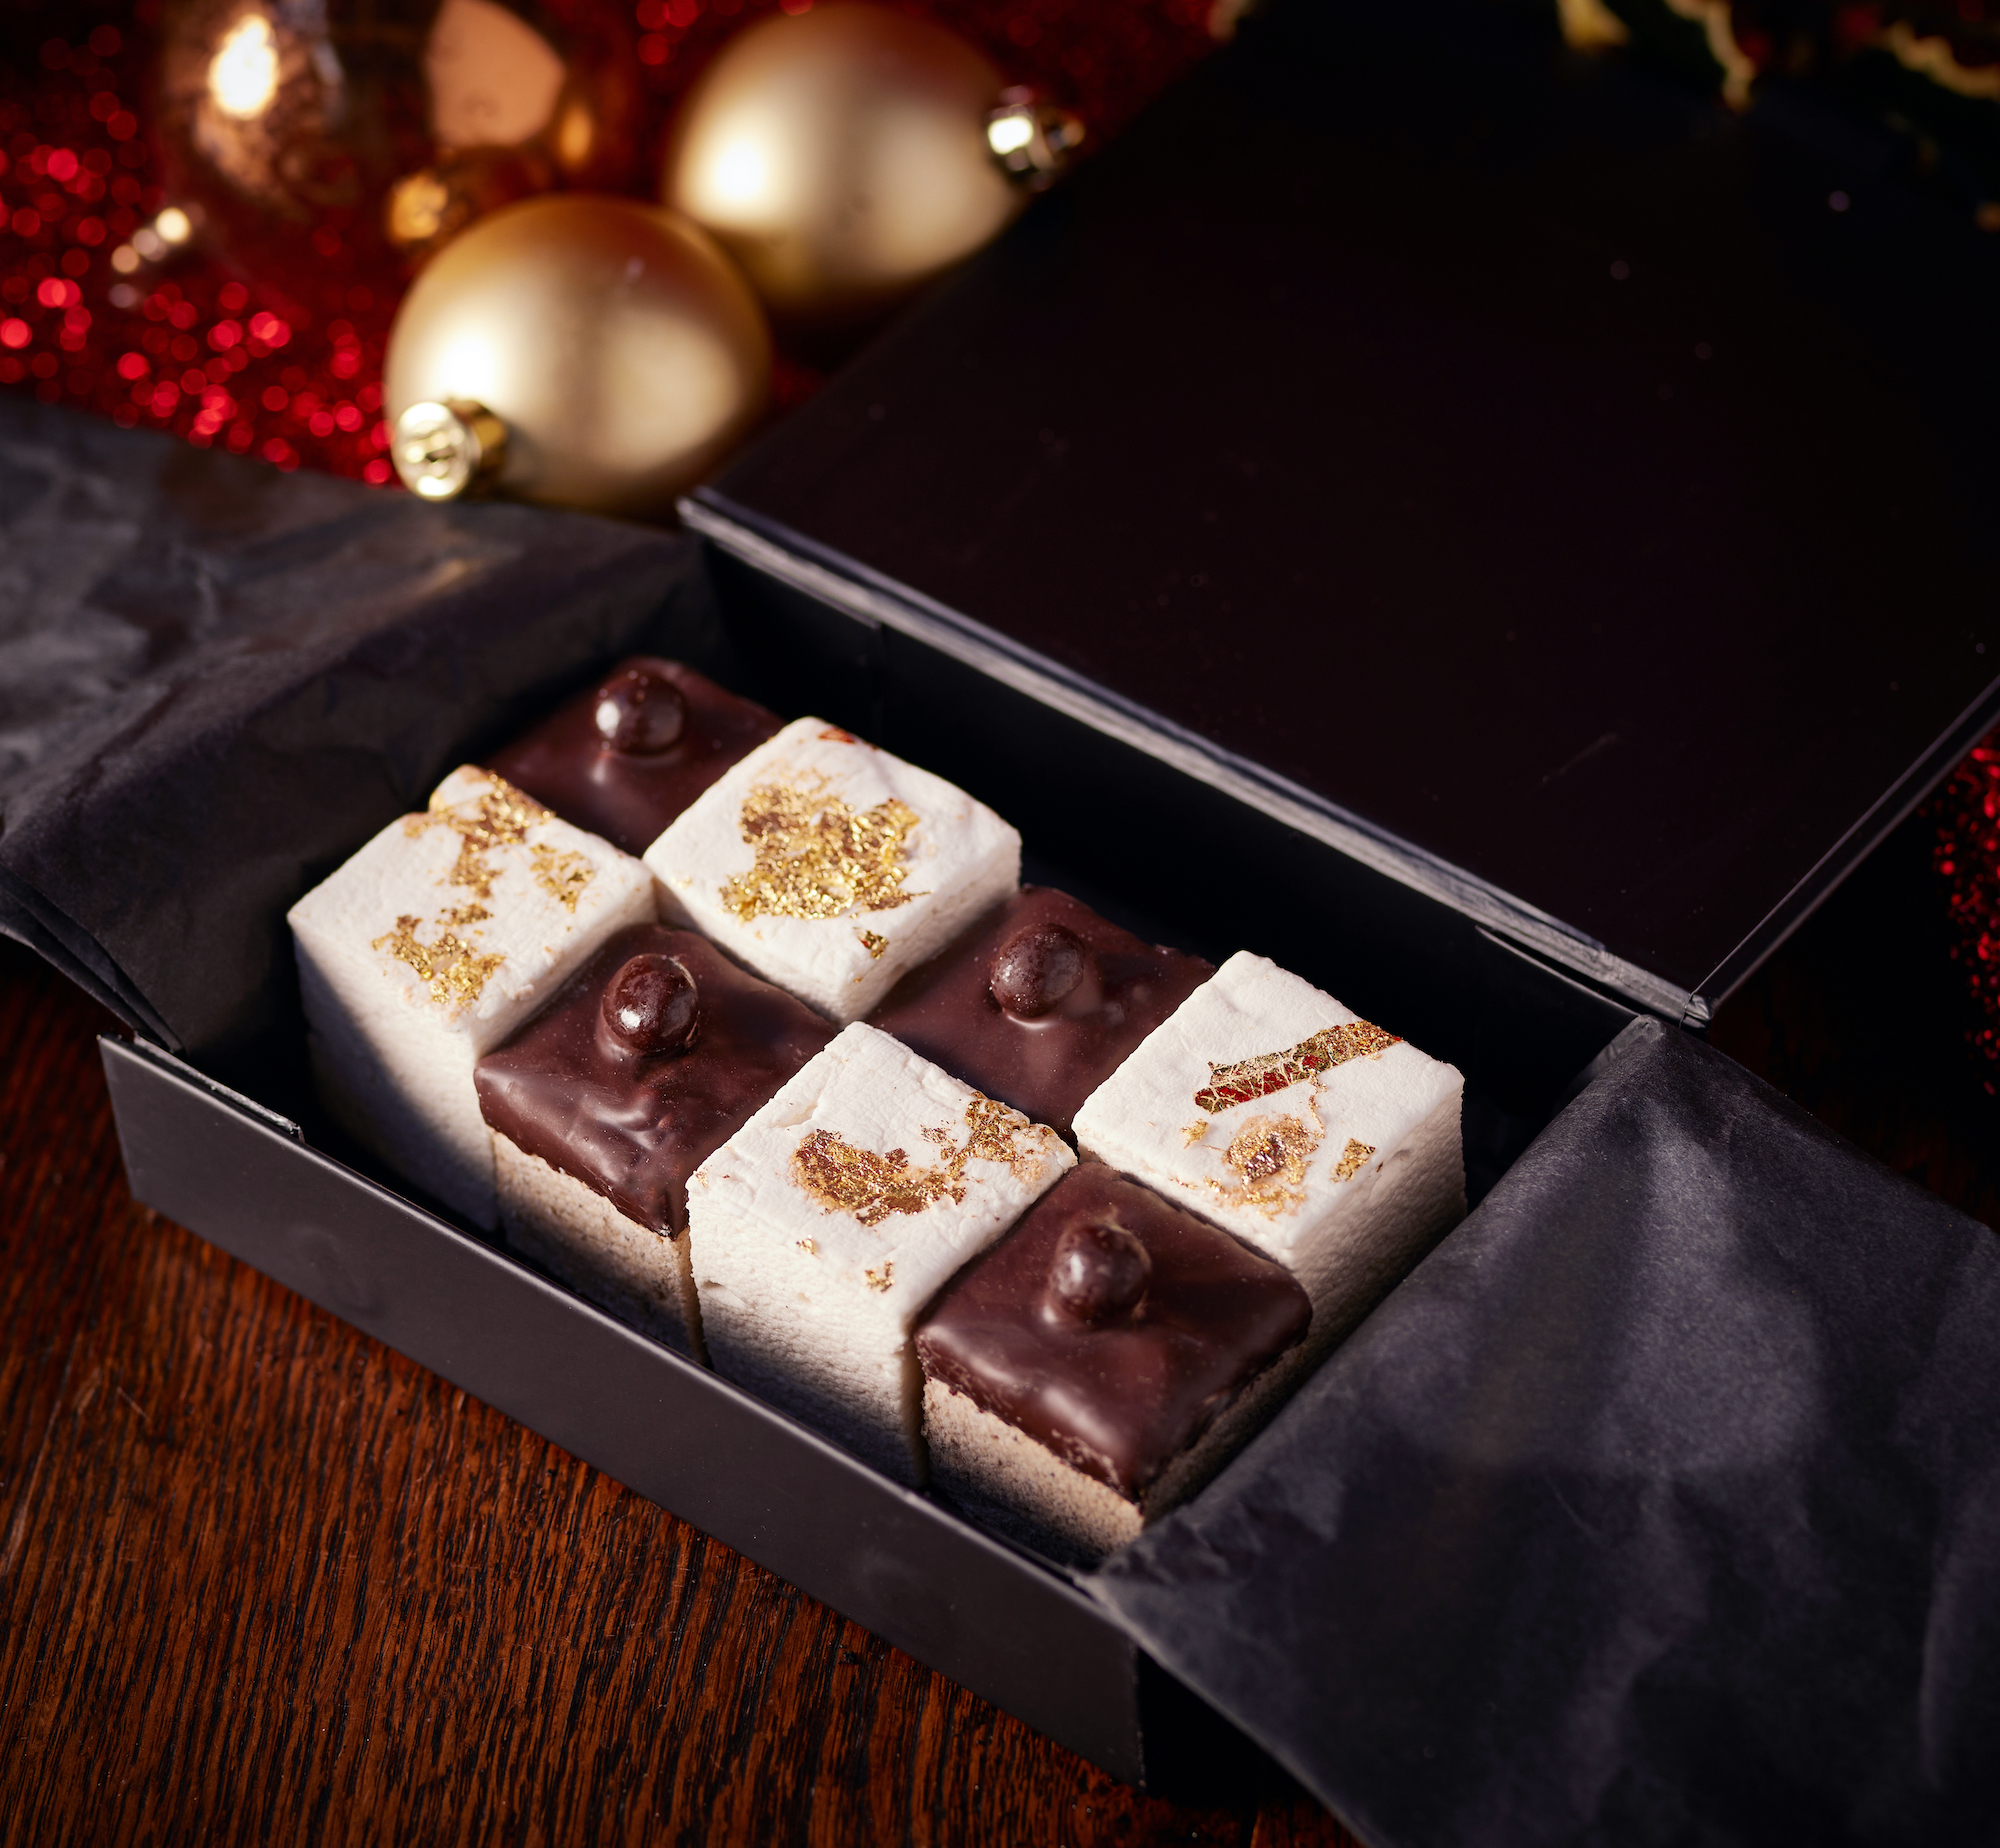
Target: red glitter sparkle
<point>177,341</point>
<point>1966,852</point>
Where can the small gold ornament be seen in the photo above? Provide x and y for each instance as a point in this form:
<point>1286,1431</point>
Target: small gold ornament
<point>430,207</point>
<point>845,155</point>
<point>581,351</point>
<point>317,143</point>
<point>445,450</point>
<point>1030,137</point>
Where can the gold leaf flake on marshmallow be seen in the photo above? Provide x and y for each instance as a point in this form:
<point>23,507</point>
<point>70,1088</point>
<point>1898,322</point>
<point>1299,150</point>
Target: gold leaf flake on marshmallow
<point>562,873</point>
<point>872,1185</point>
<point>1245,1080</point>
<point>499,817</point>
<point>816,858</point>
<point>1268,1156</point>
<point>452,971</point>
<point>1353,1159</point>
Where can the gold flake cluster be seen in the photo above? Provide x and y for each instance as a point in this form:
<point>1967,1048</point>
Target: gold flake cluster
<point>500,817</point>
<point>561,872</point>
<point>452,971</point>
<point>1268,1157</point>
<point>872,1186</point>
<point>817,858</point>
<point>1248,1079</point>
<point>1353,1159</point>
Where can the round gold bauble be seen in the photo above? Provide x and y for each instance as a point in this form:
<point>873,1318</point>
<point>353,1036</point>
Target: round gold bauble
<point>619,351</point>
<point>841,157</point>
<point>312,141</point>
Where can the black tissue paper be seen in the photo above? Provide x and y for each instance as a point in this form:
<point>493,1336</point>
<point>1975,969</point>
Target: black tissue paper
<point>1661,1503</point>
<point>217,680</point>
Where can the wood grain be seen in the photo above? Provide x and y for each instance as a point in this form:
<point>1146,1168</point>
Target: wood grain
<point>263,1580</point>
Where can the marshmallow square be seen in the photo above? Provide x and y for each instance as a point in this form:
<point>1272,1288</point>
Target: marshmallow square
<point>429,947</point>
<point>640,1275</point>
<point>821,1230</point>
<point>1311,1134</point>
<point>831,867</point>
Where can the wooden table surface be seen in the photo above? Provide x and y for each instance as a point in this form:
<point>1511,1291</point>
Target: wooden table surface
<point>262,1579</point>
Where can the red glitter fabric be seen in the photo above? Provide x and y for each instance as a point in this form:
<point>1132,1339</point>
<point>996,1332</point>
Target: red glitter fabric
<point>289,368</point>
<point>1966,852</point>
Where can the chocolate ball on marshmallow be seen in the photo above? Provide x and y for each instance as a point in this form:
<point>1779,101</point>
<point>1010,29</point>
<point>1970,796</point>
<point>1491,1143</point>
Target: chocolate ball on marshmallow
<point>1097,1365</point>
<point>1039,1002</point>
<point>629,753</point>
<point>648,1059</point>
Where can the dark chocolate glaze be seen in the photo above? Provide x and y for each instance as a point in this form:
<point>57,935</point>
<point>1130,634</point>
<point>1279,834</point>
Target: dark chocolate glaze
<point>576,1087</point>
<point>1122,1375</point>
<point>629,796</point>
<point>1047,1065</point>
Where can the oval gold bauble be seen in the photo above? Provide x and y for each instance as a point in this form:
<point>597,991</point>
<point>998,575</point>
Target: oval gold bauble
<point>617,346</point>
<point>840,156</point>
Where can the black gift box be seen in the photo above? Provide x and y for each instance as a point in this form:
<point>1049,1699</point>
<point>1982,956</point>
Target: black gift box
<point>1567,500</point>
<point>250,676</point>
<point>1576,744</point>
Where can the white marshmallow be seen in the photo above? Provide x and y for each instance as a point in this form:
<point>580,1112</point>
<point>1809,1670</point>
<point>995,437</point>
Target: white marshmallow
<point>822,1229</point>
<point>429,947</point>
<point>639,1275</point>
<point>831,867</point>
<point>1346,1174</point>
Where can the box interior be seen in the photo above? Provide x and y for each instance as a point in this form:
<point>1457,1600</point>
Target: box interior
<point>236,1146</point>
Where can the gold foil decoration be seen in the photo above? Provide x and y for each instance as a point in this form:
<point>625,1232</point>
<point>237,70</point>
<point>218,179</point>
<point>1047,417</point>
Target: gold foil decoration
<point>882,1279</point>
<point>810,1247</point>
<point>873,1186</point>
<point>995,1129</point>
<point>1269,1156</point>
<point>562,873</point>
<point>817,858</point>
<point>873,942</point>
<point>1353,1159</point>
<point>452,971</point>
<point>1248,1079</point>
<point>500,817</point>
<point>1193,1132</point>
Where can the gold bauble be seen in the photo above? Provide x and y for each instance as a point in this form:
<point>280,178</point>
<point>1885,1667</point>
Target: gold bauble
<point>617,352</point>
<point>841,156</point>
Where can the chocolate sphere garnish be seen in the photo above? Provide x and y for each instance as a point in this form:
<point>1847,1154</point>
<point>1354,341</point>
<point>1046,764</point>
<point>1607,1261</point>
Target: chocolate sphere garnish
<point>1100,1270</point>
<point>1036,967</point>
<point>652,1005</point>
<point>638,714</point>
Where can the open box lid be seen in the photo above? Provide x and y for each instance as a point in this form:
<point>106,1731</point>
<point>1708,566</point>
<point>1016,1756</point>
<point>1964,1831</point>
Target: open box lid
<point>1562,495</point>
